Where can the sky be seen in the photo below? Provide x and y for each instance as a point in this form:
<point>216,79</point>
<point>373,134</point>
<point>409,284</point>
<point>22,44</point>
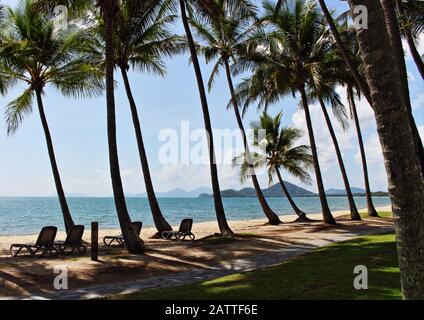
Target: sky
<point>78,129</point>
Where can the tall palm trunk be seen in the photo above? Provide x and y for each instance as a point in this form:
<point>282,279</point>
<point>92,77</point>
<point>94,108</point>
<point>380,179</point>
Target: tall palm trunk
<point>272,217</point>
<point>362,85</point>
<point>61,194</point>
<point>131,238</point>
<point>353,210</point>
<point>396,43</point>
<point>326,213</point>
<point>406,183</point>
<point>411,43</point>
<point>219,208</point>
<point>370,205</point>
<point>300,213</point>
<point>159,220</point>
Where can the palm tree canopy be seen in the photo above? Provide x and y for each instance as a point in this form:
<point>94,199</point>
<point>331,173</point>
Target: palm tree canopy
<point>221,37</point>
<point>279,151</point>
<point>32,51</point>
<point>295,51</point>
<point>143,36</point>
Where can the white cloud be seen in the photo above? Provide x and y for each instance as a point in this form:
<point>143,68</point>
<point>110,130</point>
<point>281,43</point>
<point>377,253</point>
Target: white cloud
<point>373,151</point>
<point>418,102</point>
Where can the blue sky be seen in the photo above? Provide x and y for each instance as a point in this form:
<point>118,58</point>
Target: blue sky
<point>78,128</point>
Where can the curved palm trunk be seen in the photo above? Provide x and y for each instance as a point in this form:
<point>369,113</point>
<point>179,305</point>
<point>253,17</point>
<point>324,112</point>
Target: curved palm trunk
<point>272,217</point>
<point>353,210</point>
<point>411,43</point>
<point>406,183</point>
<point>59,188</point>
<point>394,32</point>
<point>159,220</point>
<point>131,238</point>
<point>362,85</point>
<point>396,44</point>
<point>326,213</point>
<point>414,53</point>
<point>300,213</point>
<point>370,205</point>
<point>219,208</point>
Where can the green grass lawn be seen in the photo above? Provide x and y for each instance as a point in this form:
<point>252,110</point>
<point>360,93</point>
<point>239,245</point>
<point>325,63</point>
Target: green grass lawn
<point>325,273</point>
<point>382,214</point>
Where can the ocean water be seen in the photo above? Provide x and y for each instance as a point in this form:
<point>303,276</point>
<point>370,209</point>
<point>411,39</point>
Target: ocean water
<point>19,216</point>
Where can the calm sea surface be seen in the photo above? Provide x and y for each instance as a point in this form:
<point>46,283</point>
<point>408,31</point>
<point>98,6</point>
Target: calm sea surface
<point>20,216</point>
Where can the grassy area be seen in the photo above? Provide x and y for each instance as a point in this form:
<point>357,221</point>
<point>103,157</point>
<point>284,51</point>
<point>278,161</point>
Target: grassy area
<point>382,214</point>
<point>325,273</point>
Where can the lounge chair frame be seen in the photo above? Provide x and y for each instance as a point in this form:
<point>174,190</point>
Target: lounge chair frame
<point>184,231</point>
<point>109,240</point>
<point>44,244</point>
<point>73,241</point>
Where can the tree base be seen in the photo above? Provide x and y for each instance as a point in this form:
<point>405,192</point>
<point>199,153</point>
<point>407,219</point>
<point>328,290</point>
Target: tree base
<point>355,218</point>
<point>329,219</point>
<point>157,235</point>
<point>225,236</point>
<point>303,218</point>
<point>275,222</point>
<point>373,214</point>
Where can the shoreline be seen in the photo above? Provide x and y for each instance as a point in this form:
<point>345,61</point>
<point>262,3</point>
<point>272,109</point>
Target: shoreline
<point>200,229</point>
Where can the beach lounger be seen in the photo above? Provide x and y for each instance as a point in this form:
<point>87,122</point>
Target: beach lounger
<point>182,233</point>
<point>73,241</point>
<point>109,240</point>
<point>44,244</point>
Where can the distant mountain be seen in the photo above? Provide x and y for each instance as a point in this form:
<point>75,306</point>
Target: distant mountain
<point>338,192</point>
<point>355,191</point>
<point>273,191</point>
<point>175,193</point>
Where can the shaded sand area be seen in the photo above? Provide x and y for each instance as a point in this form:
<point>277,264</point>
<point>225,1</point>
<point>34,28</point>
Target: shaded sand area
<point>168,263</point>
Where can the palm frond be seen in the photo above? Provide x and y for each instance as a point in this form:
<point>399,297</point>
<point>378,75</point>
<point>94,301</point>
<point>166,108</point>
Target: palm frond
<point>17,110</point>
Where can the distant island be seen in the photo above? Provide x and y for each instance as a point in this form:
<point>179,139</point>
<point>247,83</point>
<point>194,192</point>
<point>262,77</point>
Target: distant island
<point>295,191</point>
<point>273,191</point>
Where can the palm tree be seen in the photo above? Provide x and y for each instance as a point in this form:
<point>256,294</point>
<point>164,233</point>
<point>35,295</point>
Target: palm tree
<point>372,212</point>
<point>331,68</point>
<point>392,24</point>
<point>325,93</point>
<point>205,5</point>
<point>411,18</point>
<point>279,153</point>
<point>109,10</point>
<point>288,61</point>
<point>220,38</point>
<point>110,13</point>
<point>397,138</point>
<point>345,78</point>
<point>394,32</point>
<point>32,52</point>
<point>142,39</point>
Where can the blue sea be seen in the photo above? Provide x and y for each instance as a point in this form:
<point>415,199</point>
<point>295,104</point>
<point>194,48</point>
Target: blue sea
<point>21,216</point>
